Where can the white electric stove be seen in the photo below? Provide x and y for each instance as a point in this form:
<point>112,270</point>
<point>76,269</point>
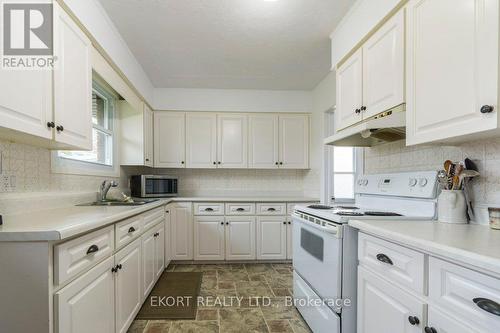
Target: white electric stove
<point>325,248</point>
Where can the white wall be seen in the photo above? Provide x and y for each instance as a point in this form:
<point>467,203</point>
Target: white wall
<point>221,100</point>
<point>97,22</point>
<point>363,16</point>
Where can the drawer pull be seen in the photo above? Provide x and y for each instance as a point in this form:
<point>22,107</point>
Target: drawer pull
<point>240,209</point>
<point>209,209</point>
<point>156,234</point>
<point>93,249</point>
<point>430,330</point>
<point>384,258</point>
<point>271,209</point>
<point>413,320</point>
<point>488,305</point>
<point>131,230</point>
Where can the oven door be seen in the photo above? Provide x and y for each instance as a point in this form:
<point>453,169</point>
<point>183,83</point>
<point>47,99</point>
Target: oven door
<point>157,186</point>
<point>317,257</point>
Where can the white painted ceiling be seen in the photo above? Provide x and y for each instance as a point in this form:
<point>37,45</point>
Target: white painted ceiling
<point>230,44</point>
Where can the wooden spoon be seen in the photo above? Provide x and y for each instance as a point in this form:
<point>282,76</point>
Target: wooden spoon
<point>447,167</point>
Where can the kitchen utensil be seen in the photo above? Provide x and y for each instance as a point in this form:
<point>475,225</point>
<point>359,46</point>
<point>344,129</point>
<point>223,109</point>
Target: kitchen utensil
<point>470,165</point>
<point>494,217</point>
<point>447,167</point>
<point>443,179</point>
<point>452,207</point>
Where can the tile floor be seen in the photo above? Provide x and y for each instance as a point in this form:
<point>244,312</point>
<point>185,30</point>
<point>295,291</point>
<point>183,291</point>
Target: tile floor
<point>270,283</point>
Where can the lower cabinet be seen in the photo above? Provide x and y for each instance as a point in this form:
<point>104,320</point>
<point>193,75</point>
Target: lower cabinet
<point>289,239</point>
<point>383,307</point>
<point>153,257</point>
<point>181,228</point>
<point>240,238</point>
<point>88,303</point>
<point>271,237</point>
<point>444,323</point>
<point>209,237</point>
<point>128,288</point>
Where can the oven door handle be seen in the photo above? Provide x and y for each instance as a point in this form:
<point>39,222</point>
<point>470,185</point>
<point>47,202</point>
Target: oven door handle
<point>334,230</point>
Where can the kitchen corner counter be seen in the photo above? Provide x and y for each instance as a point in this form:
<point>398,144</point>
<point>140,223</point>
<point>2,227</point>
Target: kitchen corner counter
<point>476,246</point>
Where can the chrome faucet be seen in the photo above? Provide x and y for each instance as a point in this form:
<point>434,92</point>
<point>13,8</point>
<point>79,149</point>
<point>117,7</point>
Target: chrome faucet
<point>104,188</point>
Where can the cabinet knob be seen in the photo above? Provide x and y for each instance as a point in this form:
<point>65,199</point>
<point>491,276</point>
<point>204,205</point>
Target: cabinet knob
<point>413,320</point>
<point>218,162</point>
<point>284,222</point>
<point>93,249</point>
<point>289,222</point>
<point>227,223</point>
<point>281,163</point>
<point>487,109</point>
<point>60,128</point>
<point>131,229</point>
<point>384,258</point>
<point>430,330</point>
<point>147,159</point>
<point>363,108</point>
<point>358,111</point>
<point>276,163</point>
<point>222,223</point>
<point>488,305</point>
<point>51,124</point>
<point>119,266</point>
<point>182,162</point>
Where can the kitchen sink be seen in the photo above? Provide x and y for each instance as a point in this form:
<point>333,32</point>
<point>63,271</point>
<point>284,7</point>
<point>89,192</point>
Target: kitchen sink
<point>117,203</point>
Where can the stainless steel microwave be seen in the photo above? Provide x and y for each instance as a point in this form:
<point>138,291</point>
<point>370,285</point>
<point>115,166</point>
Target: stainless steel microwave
<point>153,186</point>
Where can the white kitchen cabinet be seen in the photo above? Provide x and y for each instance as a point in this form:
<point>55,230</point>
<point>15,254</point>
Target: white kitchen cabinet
<point>169,139</point>
<point>350,91</point>
<point>263,138</point>
<point>128,288</point>
<point>148,262</point>
<point>88,303</point>
<point>442,322</point>
<point>181,227</point>
<point>159,250</point>
<point>289,239</point>
<point>148,136</point>
<point>137,134</point>
<point>452,70</point>
<point>209,238</point>
<point>294,141</point>
<point>72,83</point>
<point>240,237</point>
<point>201,140</point>
<point>232,141</point>
<point>168,233</point>
<point>271,237</point>
<point>383,67</point>
<point>383,307</point>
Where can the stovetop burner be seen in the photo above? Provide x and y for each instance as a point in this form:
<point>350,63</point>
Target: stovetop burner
<point>382,214</point>
<point>347,207</point>
<point>319,207</point>
<point>347,213</point>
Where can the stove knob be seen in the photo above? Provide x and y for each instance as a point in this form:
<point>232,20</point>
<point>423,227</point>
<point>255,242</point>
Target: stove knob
<point>422,182</point>
<point>413,182</point>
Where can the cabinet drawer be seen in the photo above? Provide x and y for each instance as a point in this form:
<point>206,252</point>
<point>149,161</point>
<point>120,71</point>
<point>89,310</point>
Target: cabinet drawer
<point>210,208</point>
<point>128,230</point>
<point>271,209</point>
<point>465,293</point>
<point>394,262</point>
<point>77,255</point>
<point>240,209</point>
<point>153,217</point>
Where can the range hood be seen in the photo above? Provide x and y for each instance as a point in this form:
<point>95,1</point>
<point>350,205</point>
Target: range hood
<point>387,127</point>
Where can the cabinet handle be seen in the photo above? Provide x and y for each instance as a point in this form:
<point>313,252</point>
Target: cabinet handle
<point>182,162</point>
<point>289,222</point>
<point>167,211</point>
<point>227,223</point>
<point>93,249</point>
<point>276,163</point>
<point>60,128</point>
<point>240,209</point>
<point>271,209</point>
<point>363,108</point>
<point>51,124</point>
<point>147,159</point>
<point>119,266</point>
<point>131,229</point>
<point>428,329</point>
<point>156,234</point>
<point>222,223</point>
<point>413,320</point>
<point>218,162</point>
<point>281,163</point>
<point>487,109</point>
<point>114,269</point>
<point>215,163</point>
<point>488,305</point>
<point>384,258</point>
<point>209,209</point>
<point>284,222</point>
<point>358,111</point>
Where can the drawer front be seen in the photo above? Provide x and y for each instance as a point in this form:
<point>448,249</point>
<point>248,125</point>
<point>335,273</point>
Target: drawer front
<point>271,209</point>
<point>240,209</point>
<point>394,262</point>
<point>128,230</point>
<point>466,293</point>
<point>153,217</point>
<point>77,255</point>
<point>208,208</point>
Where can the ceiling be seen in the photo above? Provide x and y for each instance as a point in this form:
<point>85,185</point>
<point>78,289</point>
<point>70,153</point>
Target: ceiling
<point>230,44</point>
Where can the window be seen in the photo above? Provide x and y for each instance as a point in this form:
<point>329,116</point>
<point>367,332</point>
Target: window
<point>103,109</point>
<point>344,173</point>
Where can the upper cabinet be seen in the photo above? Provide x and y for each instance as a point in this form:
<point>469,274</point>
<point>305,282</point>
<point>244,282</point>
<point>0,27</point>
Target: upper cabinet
<point>371,80</point>
<point>137,135</point>
<point>452,70</point>
<point>170,139</point>
<point>47,107</point>
<point>294,141</point>
<point>232,141</point>
<point>201,140</point>
<point>263,138</point>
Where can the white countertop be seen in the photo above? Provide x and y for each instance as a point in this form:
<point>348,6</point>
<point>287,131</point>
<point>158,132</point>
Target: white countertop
<point>476,246</point>
<point>61,223</point>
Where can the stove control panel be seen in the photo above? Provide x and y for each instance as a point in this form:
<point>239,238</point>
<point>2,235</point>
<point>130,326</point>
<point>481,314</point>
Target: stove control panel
<point>408,184</point>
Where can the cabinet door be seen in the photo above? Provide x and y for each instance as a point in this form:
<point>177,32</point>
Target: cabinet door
<point>240,238</point>
<point>289,239</point>
<point>209,238</point>
<point>271,237</point>
<point>148,136</point>
<point>181,226</point>
<point>148,262</point>
<point>201,140</point>
<point>168,232</point>
<point>444,323</point>
<point>263,137</point>
<point>349,91</point>
<point>26,101</point>
<point>159,250</point>
<point>170,139</point>
<point>383,307</point>
<point>294,141</point>
<point>383,67</point>
<point>88,303</point>
<point>72,83</point>
<point>452,69</point>
<point>232,139</point>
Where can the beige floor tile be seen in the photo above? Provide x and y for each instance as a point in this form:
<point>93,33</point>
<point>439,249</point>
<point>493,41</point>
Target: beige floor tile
<point>281,292</point>
<point>259,268</point>
<point>137,326</point>
<point>158,326</point>
<point>226,285</point>
<point>279,326</point>
<point>194,327</point>
<point>299,326</point>
<point>232,276</point>
<point>253,288</point>
<point>242,320</point>
<point>187,268</point>
<point>207,314</point>
<point>279,310</point>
